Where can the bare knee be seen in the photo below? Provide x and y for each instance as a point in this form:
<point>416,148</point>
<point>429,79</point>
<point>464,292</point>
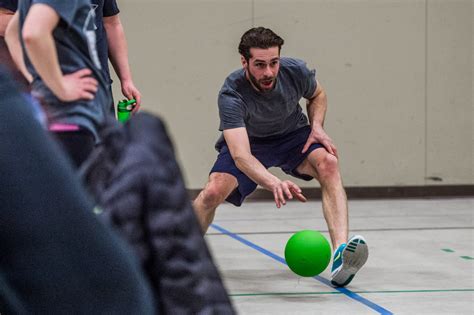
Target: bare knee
<point>212,196</point>
<point>217,190</point>
<point>328,167</point>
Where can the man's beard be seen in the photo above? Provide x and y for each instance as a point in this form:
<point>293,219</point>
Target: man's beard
<point>258,85</point>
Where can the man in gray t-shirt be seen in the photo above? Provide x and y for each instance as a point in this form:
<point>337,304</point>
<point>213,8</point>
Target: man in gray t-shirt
<point>60,59</point>
<point>241,105</point>
<point>263,126</point>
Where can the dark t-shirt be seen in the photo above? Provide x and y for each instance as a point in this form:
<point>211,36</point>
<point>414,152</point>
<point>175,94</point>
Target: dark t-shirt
<point>9,4</point>
<point>75,42</point>
<point>273,113</point>
<point>102,8</point>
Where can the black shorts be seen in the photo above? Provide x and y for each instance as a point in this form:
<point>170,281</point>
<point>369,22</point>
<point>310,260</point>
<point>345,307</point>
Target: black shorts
<point>78,145</point>
<point>283,152</point>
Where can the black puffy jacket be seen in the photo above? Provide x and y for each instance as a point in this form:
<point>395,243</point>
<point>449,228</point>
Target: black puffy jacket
<point>136,180</point>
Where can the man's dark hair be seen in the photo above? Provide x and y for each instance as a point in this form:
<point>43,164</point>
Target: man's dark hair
<point>258,37</point>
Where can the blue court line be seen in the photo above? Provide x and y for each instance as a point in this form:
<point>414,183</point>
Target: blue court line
<point>325,281</point>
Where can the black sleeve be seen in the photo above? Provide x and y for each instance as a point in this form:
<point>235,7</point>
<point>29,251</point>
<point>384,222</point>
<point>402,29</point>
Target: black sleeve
<point>110,8</point>
<point>67,10</point>
<point>11,5</point>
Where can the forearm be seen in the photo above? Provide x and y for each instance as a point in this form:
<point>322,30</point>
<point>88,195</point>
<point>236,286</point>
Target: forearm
<point>42,52</point>
<point>14,46</point>
<point>118,49</point>
<point>316,108</point>
<point>252,167</point>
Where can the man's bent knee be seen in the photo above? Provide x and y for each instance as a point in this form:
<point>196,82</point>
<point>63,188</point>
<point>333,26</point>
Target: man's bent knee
<point>327,166</point>
<point>218,189</point>
<point>212,196</point>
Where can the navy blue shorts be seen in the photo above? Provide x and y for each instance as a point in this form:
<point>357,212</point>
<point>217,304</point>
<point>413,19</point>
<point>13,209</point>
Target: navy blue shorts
<point>283,152</point>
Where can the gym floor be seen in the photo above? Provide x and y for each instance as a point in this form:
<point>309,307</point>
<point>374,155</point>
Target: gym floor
<point>421,258</point>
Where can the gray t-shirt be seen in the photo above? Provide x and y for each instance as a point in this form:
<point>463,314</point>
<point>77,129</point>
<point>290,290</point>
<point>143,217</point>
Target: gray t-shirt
<point>268,114</point>
<point>75,43</point>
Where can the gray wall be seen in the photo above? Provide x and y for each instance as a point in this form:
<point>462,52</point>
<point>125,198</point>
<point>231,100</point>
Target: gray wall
<point>398,75</point>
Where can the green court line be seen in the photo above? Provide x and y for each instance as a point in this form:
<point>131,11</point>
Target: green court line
<point>337,292</point>
<point>467,257</point>
<point>448,250</point>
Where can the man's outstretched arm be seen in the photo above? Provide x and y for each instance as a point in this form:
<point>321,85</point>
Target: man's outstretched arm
<point>239,146</point>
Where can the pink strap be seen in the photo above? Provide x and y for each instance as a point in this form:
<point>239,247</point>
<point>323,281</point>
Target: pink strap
<point>63,127</point>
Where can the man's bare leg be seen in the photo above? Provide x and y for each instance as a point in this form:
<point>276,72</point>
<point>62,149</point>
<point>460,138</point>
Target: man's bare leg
<point>219,187</point>
<point>347,259</point>
<point>323,166</point>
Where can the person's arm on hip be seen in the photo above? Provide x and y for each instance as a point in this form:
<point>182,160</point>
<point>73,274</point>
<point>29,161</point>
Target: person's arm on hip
<point>39,43</point>
<point>12,38</point>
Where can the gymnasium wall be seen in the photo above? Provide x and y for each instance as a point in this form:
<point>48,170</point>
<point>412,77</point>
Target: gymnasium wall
<point>398,74</point>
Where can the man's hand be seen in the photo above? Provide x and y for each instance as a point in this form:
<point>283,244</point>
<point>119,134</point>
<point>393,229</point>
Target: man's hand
<point>318,135</point>
<point>77,85</point>
<point>283,190</point>
<point>131,92</point>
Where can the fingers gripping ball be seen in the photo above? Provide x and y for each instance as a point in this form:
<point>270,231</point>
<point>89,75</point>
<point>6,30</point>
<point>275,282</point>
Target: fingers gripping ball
<point>307,253</point>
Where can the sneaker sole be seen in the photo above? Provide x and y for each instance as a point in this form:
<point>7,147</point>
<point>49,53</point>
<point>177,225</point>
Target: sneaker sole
<point>354,257</point>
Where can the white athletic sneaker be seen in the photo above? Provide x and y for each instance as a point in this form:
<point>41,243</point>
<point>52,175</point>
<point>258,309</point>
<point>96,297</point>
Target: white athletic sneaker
<point>347,260</point>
